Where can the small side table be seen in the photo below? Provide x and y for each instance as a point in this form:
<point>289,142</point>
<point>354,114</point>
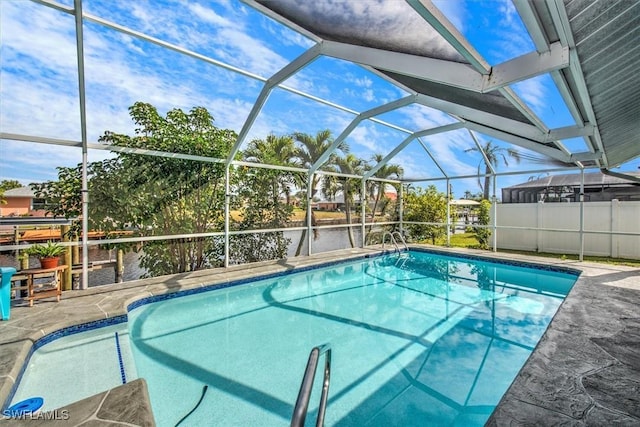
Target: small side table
<point>37,290</point>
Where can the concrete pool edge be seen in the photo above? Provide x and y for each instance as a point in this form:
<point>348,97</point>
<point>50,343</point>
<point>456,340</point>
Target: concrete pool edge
<point>113,300</point>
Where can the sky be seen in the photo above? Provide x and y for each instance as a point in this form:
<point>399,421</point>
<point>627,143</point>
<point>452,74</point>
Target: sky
<point>39,87</point>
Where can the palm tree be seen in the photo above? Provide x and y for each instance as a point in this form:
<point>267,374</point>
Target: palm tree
<point>376,188</point>
<point>493,153</point>
<point>276,150</point>
<point>350,165</point>
<point>308,151</point>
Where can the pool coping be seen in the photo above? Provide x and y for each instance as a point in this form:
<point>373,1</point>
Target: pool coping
<point>107,303</point>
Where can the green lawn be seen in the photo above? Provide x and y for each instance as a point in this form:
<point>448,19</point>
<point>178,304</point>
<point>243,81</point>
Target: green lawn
<point>467,240</point>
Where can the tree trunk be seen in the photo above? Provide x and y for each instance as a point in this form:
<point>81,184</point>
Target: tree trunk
<point>487,183</point>
<point>375,206</point>
<point>347,212</point>
<point>302,237</point>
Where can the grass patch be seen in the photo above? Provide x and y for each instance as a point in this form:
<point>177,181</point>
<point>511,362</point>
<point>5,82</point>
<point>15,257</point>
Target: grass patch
<point>575,257</point>
<point>462,240</point>
<point>468,240</point>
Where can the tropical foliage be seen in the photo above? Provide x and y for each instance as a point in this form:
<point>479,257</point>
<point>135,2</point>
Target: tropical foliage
<point>264,196</point>
<point>425,206</point>
<point>350,187</point>
<point>167,195</point>
<point>155,195</point>
<point>483,234</point>
<point>309,150</point>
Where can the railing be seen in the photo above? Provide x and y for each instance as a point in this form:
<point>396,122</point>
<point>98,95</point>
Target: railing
<point>397,233</point>
<point>302,403</point>
<point>393,240</point>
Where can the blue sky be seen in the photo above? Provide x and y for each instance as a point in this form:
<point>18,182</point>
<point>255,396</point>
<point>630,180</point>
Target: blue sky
<point>38,81</point>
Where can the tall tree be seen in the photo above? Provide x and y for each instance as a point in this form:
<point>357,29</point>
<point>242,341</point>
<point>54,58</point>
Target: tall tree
<point>260,192</point>
<point>309,149</point>
<point>277,151</point>
<point>349,165</point>
<point>169,196</point>
<point>155,195</point>
<point>376,189</point>
<point>494,153</point>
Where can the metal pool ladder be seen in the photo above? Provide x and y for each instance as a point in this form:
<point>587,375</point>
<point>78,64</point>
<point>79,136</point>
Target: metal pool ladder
<point>393,240</point>
<point>302,403</point>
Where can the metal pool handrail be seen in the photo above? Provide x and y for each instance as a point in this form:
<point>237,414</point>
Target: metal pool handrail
<point>397,233</point>
<point>391,239</point>
<point>302,403</point>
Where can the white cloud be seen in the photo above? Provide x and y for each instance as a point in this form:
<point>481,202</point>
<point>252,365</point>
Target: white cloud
<point>454,11</point>
<point>419,117</point>
<point>210,16</point>
<point>363,82</point>
<point>367,136</point>
<point>533,92</point>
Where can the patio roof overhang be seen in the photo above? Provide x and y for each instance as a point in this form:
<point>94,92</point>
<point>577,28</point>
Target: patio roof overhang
<point>587,47</point>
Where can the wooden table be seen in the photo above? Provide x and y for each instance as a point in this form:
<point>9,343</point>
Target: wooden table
<point>41,282</point>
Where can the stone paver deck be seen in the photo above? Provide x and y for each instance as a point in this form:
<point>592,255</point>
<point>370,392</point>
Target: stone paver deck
<point>584,371</point>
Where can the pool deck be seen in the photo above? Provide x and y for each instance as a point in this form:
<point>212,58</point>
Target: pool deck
<point>584,371</point>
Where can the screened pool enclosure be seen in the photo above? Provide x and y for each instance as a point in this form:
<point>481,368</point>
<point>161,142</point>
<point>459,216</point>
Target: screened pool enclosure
<point>202,127</point>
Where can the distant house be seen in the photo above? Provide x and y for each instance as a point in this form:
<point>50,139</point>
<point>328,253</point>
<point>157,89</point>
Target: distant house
<point>391,195</point>
<point>335,203</point>
<point>21,201</point>
<point>598,187</point>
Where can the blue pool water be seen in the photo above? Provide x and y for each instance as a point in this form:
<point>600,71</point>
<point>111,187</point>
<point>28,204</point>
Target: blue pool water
<point>77,366</point>
<point>417,339</point>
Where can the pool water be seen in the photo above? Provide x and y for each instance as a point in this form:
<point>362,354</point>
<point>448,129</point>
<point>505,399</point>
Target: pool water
<point>417,339</point>
<point>78,366</point>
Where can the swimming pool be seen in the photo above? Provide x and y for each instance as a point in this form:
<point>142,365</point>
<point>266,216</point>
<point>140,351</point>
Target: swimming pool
<point>416,338</point>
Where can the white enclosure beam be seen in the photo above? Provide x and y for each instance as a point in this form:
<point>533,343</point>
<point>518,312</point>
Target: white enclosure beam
<point>487,162</point>
<point>291,68</point>
<point>570,132</point>
<point>430,13</point>
<point>585,156</point>
<point>403,144</point>
<point>520,141</point>
<point>433,158</point>
<point>531,21</point>
<point>561,22</point>
<point>435,70</point>
<point>530,17</point>
<point>449,72</point>
<point>402,102</point>
<point>467,113</point>
<point>83,130</point>
<point>526,66</point>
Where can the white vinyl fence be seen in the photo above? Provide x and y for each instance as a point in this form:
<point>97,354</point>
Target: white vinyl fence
<point>558,227</point>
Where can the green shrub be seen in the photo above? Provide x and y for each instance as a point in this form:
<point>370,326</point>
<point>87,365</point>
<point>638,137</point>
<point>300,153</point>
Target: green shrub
<point>48,250</point>
<point>483,234</point>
